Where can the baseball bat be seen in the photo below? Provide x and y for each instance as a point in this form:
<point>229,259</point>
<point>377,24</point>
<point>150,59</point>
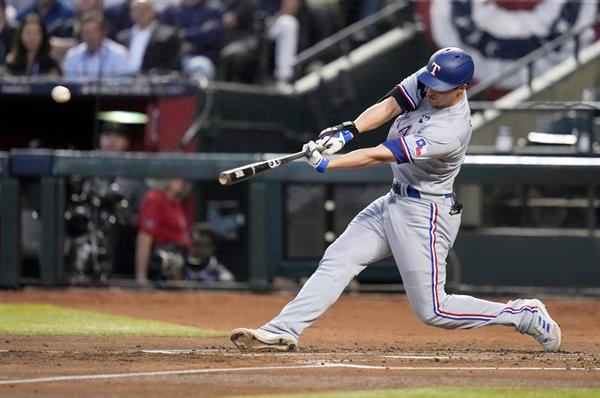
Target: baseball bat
<point>248,171</point>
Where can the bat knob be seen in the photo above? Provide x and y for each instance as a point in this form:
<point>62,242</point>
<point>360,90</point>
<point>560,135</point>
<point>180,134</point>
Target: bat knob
<point>224,179</point>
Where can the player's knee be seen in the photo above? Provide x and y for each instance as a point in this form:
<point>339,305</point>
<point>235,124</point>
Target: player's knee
<point>428,317</point>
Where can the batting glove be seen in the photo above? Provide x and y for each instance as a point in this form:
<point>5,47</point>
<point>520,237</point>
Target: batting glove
<point>332,139</point>
<point>314,157</point>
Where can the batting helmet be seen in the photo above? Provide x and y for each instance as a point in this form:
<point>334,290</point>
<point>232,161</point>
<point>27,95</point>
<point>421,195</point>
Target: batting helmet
<point>447,68</point>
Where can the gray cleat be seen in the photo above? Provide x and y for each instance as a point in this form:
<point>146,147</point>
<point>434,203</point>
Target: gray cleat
<point>544,329</point>
<point>256,340</point>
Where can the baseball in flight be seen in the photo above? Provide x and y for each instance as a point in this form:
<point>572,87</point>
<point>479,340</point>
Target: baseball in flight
<point>61,94</point>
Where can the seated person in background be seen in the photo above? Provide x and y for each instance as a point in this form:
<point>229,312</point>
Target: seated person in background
<point>162,232</point>
<point>200,30</point>
<point>56,15</point>
<point>202,264</point>
<point>30,54</point>
<point>152,46</point>
<point>96,56</point>
<point>7,33</point>
<point>60,45</point>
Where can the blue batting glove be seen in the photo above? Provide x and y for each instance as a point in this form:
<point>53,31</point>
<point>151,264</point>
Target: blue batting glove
<point>334,138</point>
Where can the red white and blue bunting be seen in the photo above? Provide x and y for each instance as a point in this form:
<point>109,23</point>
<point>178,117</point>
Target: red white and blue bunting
<point>498,32</point>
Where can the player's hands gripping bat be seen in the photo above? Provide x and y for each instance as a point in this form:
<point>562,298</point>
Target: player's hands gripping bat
<point>312,152</point>
<point>332,139</point>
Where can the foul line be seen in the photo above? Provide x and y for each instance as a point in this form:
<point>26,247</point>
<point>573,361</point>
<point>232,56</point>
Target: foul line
<point>482,368</point>
<point>160,373</point>
<point>259,368</point>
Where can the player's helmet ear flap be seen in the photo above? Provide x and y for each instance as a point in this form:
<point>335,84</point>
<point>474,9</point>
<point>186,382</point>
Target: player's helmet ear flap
<point>447,68</point>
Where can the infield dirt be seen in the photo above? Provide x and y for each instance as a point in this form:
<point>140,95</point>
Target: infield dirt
<point>359,330</point>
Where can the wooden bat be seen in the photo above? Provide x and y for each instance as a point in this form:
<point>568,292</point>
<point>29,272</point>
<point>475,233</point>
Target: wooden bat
<point>248,171</point>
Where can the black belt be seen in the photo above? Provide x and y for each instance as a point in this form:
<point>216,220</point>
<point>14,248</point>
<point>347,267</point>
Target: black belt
<point>411,192</point>
<point>405,190</point>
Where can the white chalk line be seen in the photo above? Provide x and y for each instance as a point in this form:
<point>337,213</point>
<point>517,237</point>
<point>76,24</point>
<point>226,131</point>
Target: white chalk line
<point>418,357</point>
<point>294,354</point>
<point>464,368</point>
<point>261,368</point>
<point>157,373</point>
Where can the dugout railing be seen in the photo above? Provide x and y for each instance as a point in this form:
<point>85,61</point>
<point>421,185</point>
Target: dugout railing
<point>577,265</point>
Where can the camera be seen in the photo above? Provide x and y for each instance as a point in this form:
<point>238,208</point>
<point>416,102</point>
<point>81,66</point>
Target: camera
<point>165,265</point>
<point>95,207</point>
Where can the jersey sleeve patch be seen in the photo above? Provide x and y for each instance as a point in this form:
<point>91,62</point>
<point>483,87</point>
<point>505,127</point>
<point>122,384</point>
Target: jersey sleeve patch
<point>420,146</point>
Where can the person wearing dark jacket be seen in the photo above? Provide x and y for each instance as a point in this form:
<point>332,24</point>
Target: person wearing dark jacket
<point>152,46</point>
<point>30,54</point>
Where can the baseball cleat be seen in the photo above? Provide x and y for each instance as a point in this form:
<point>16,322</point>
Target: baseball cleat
<point>545,330</point>
<point>256,340</point>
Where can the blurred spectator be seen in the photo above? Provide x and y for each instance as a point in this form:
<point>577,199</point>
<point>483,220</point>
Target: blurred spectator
<point>30,54</point>
<point>96,56</point>
<point>56,15</point>
<point>238,57</point>
<point>200,29</point>
<point>152,46</point>
<point>60,45</point>
<point>162,239</point>
<point>7,32</point>
<point>117,131</point>
<point>283,29</point>
<point>202,264</point>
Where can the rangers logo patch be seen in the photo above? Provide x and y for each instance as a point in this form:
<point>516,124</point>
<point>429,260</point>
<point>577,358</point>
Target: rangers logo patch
<point>435,68</point>
<point>421,146</point>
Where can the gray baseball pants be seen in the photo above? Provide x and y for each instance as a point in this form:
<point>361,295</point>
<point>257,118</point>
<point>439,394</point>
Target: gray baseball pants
<point>418,233</point>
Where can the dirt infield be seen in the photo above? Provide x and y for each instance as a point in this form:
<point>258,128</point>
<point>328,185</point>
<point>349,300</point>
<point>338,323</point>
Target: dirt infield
<point>363,342</point>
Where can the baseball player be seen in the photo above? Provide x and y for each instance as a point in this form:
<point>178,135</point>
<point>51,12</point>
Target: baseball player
<point>416,222</point>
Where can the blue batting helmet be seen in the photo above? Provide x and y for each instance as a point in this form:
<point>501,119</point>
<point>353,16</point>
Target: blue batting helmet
<point>447,68</point>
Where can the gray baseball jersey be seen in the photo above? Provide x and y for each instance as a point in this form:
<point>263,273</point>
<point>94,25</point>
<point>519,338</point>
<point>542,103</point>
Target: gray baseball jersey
<point>412,223</point>
<point>429,144</point>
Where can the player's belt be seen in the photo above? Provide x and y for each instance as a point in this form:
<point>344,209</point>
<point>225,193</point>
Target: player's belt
<point>407,190</point>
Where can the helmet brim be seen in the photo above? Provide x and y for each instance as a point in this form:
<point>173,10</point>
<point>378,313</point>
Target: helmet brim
<point>425,77</point>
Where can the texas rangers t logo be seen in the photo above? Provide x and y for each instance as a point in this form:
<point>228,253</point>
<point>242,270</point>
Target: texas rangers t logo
<point>435,68</point>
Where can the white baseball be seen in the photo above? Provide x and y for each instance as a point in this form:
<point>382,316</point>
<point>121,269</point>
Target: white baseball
<point>61,94</point>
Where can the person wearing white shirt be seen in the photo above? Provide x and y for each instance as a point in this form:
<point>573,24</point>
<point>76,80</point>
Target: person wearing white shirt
<point>140,36</point>
<point>96,56</point>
